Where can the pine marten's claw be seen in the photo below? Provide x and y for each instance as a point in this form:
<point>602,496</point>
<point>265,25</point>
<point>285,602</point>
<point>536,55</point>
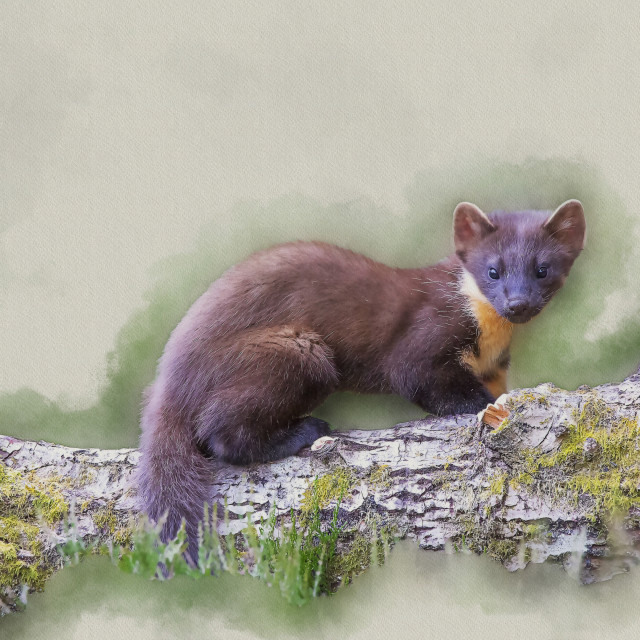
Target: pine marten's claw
<point>324,445</point>
<point>494,414</point>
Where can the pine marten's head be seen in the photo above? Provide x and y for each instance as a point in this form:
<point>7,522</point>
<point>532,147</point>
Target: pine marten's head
<point>519,259</point>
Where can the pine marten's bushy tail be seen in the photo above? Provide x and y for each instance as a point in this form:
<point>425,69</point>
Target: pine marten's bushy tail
<point>174,478</point>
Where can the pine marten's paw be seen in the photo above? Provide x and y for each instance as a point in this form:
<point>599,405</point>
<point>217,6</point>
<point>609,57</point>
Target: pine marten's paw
<point>495,413</point>
<point>323,445</point>
<point>312,430</point>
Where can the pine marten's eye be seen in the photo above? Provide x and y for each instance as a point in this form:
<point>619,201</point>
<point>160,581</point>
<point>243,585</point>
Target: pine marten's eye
<point>541,272</point>
<point>493,273</point>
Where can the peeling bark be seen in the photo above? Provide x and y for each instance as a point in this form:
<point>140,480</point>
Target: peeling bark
<point>444,482</point>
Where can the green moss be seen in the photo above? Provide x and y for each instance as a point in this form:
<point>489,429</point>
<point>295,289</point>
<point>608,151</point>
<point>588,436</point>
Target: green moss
<point>533,531</point>
<point>107,523</point>
<point>379,477</point>
<point>32,497</point>
<point>105,519</point>
<point>87,476</point>
<point>502,426</point>
<point>497,483</point>
<point>24,501</point>
<point>21,561</point>
<point>502,550</point>
<point>325,489</point>
<point>123,537</point>
<point>51,505</point>
<point>18,572</point>
<point>485,535</point>
<point>16,531</point>
<point>349,564</point>
<point>528,397</point>
<point>521,479</point>
<point>604,480</point>
<point>610,475</point>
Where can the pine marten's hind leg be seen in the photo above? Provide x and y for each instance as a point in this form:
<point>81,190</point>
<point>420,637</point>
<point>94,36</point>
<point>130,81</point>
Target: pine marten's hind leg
<point>269,380</point>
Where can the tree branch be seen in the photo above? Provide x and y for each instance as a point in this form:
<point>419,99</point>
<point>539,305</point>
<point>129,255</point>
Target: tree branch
<point>557,478</point>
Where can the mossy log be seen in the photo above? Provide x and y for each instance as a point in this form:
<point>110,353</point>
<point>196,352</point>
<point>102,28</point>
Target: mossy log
<point>557,478</point>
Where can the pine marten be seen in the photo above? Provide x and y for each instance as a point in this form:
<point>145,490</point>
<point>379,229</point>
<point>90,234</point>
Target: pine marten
<point>276,334</point>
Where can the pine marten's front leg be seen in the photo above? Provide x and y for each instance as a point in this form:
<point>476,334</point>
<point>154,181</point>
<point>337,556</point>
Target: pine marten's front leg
<point>447,390</point>
<point>496,382</point>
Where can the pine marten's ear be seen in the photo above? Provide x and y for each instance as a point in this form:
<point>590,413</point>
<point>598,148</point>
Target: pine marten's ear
<point>470,225</point>
<point>567,225</point>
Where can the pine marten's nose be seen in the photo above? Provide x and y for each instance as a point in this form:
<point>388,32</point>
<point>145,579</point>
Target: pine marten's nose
<point>517,306</point>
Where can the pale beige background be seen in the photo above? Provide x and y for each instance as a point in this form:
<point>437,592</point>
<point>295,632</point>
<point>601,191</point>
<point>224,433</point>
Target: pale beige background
<point>126,125</point>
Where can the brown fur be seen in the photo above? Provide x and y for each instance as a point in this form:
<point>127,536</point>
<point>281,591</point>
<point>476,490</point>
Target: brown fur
<point>278,333</point>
